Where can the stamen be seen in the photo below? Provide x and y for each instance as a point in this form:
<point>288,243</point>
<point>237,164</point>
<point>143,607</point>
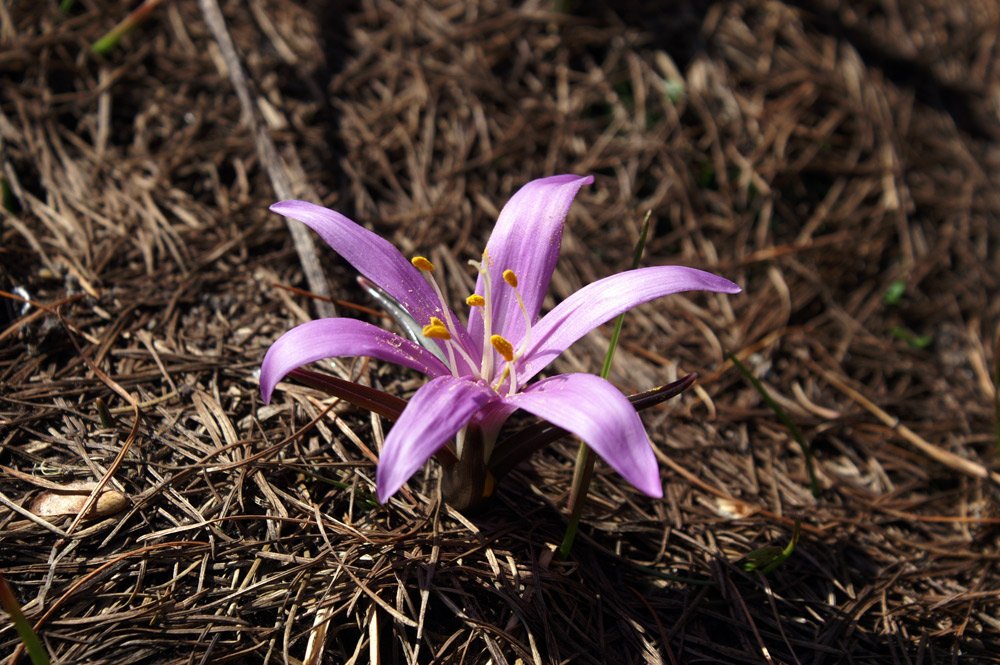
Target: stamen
<point>475,300</point>
<point>436,329</point>
<point>510,277</point>
<point>506,350</point>
<point>503,347</point>
<point>421,263</point>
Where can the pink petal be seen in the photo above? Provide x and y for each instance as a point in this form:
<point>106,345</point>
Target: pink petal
<point>605,299</point>
<point>526,239</point>
<point>377,259</point>
<point>330,338</point>
<point>598,413</point>
<point>434,415</point>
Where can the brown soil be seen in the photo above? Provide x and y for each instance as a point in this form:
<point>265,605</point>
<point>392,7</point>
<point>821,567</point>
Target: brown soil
<point>817,152</point>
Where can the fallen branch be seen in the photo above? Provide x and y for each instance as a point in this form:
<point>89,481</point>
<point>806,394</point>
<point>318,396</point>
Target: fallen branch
<point>277,171</point>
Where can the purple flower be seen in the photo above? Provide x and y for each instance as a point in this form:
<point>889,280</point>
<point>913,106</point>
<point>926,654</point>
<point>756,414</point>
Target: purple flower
<point>505,344</point>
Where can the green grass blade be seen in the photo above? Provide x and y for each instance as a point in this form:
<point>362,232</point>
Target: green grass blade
<point>636,256</point>
<point>110,40</point>
<point>767,559</point>
<point>31,642</point>
<point>584,468</point>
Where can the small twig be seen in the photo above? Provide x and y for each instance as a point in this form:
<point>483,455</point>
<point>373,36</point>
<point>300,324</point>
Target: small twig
<point>996,390</point>
<point>735,593</point>
<point>41,311</point>
<point>129,440</point>
<point>144,405</point>
<point>347,304</point>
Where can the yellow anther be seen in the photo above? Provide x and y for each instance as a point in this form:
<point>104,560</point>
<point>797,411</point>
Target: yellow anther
<point>503,347</point>
<point>510,278</point>
<point>421,263</point>
<point>436,332</point>
<point>436,329</point>
<point>475,300</point>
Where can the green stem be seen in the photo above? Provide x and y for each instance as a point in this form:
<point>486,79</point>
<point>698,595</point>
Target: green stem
<point>584,469</point>
<point>110,40</point>
<point>582,474</point>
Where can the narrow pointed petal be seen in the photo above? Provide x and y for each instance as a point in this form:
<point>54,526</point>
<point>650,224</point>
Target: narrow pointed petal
<point>375,258</point>
<point>433,416</point>
<point>605,299</point>
<point>330,338</point>
<point>526,239</point>
<point>594,410</point>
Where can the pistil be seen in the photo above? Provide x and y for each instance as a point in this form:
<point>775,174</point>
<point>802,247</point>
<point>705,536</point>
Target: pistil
<point>486,369</point>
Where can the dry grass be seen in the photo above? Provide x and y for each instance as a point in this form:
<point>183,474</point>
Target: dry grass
<point>814,152</point>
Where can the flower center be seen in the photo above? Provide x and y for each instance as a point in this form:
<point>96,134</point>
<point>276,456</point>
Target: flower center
<point>498,342</point>
<point>446,330</point>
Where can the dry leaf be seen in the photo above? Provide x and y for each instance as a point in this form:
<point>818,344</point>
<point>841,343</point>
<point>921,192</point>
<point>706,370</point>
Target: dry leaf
<point>70,500</point>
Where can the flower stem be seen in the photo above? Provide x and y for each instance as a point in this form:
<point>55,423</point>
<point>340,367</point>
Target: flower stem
<point>582,474</point>
<point>584,469</point>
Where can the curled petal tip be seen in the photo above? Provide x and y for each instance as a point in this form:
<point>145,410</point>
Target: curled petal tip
<point>287,205</point>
